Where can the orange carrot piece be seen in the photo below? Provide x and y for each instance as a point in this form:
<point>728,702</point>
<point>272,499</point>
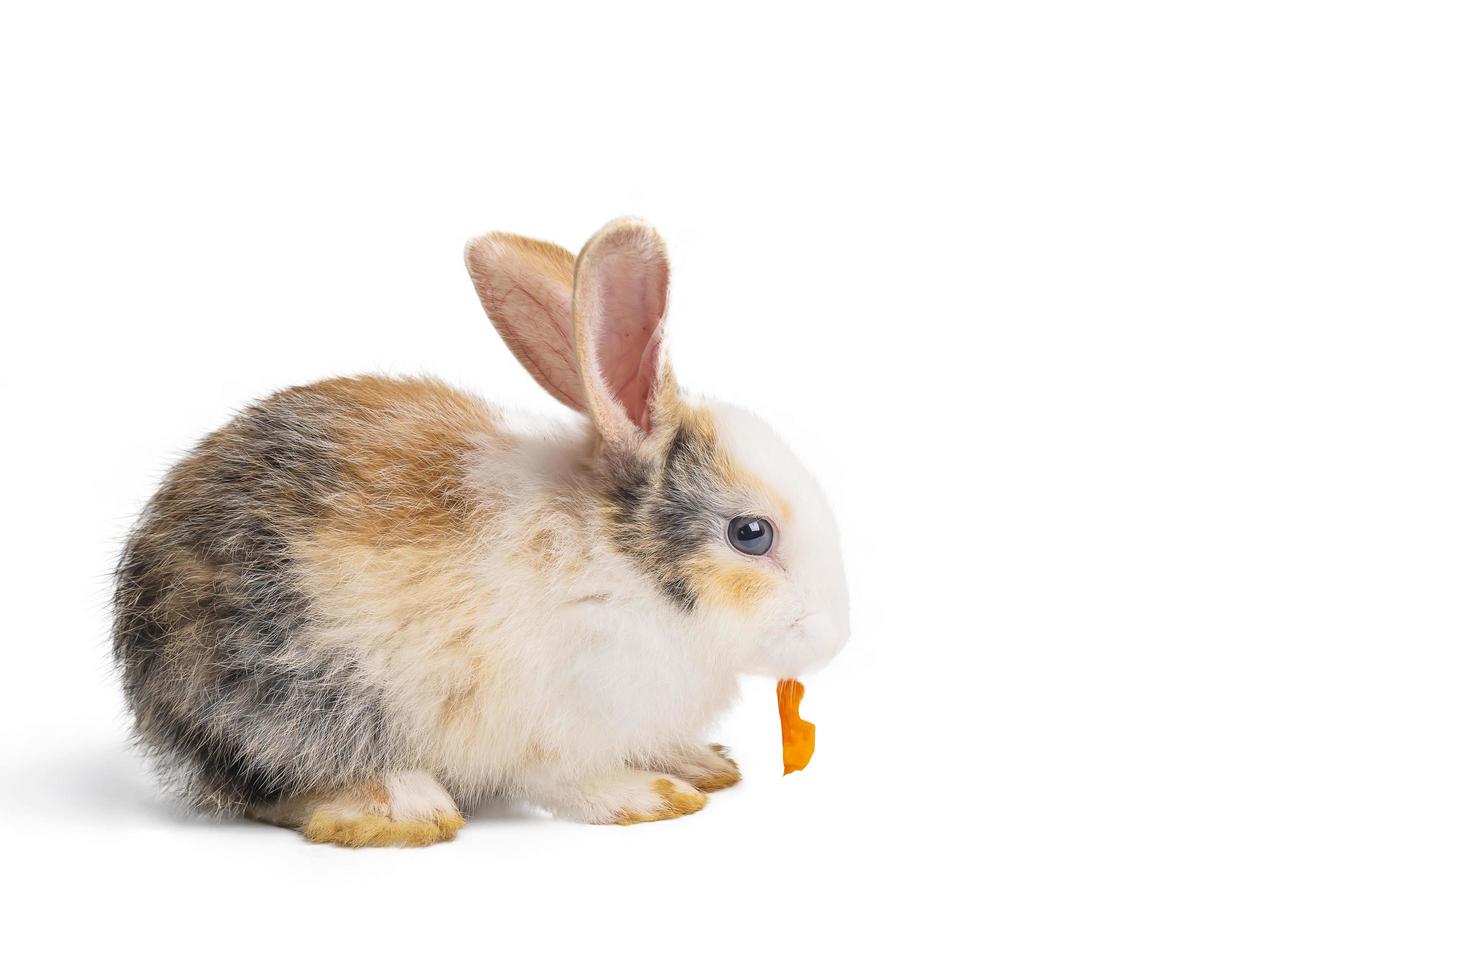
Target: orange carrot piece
<point>798,738</point>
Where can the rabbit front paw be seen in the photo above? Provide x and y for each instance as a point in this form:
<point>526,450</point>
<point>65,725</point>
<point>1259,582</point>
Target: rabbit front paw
<point>626,797</point>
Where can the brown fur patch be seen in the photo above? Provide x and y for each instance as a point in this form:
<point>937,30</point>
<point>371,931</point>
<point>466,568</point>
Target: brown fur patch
<point>738,586</point>
<point>405,445</point>
<point>549,548</point>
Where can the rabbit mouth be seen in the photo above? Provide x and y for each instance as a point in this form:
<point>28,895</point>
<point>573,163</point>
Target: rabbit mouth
<point>797,624</point>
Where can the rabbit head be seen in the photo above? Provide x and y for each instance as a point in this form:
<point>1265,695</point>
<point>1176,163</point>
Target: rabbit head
<point>701,497</point>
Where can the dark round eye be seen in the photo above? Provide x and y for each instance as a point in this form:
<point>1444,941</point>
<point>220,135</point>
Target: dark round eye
<point>752,535</point>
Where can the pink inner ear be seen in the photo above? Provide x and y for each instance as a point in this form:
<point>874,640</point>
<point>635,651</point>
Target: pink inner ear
<point>632,292</point>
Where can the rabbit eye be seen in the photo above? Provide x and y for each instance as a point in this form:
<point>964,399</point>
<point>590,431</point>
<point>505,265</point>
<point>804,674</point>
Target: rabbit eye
<point>752,535</point>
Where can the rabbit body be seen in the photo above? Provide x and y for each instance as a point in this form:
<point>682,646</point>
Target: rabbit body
<point>365,603</point>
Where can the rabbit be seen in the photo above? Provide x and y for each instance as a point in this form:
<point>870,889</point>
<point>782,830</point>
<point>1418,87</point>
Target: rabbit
<point>366,604</point>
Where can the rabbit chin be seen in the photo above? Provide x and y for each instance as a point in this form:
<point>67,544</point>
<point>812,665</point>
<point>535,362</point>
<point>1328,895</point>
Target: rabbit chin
<point>803,647</point>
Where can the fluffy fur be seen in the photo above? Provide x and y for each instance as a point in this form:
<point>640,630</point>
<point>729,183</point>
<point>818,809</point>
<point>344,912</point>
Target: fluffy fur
<point>369,601</point>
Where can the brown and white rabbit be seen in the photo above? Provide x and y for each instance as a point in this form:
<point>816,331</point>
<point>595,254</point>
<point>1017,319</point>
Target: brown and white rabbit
<point>366,602</point>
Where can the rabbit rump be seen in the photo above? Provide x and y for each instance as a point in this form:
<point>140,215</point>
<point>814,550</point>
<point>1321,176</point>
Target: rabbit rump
<point>366,603</point>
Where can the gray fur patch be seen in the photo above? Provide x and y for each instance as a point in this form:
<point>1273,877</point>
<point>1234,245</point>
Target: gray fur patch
<point>210,628</point>
<point>664,514</point>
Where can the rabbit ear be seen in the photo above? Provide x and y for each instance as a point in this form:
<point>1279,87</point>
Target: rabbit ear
<point>526,288</point>
<point>619,298</point>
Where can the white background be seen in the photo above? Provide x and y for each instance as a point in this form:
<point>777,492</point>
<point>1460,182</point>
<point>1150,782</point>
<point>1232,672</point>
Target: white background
<point>1130,344</point>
